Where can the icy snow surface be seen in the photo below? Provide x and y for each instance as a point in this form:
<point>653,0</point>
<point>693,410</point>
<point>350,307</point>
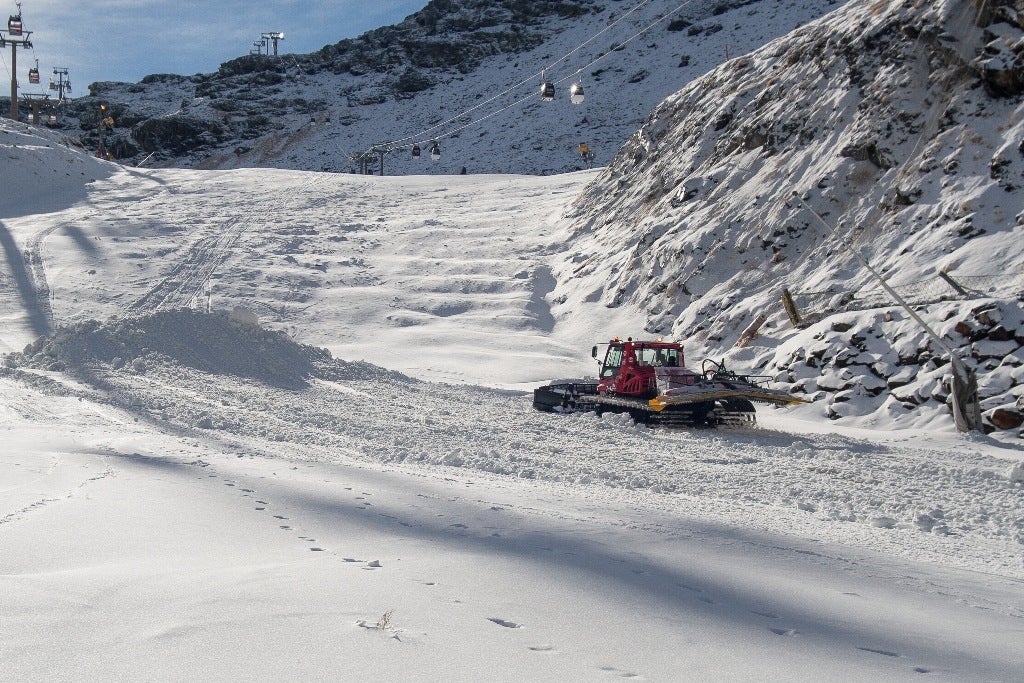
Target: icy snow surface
<point>186,495</point>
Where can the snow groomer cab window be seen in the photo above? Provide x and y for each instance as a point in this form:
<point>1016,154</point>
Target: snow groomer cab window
<point>612,361</point>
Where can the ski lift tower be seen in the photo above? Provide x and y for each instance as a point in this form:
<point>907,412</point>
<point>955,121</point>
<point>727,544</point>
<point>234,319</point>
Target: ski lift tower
<point>36,101</point>
<point>273,37</point>
<point>17,36</point>
<point>62,84</point>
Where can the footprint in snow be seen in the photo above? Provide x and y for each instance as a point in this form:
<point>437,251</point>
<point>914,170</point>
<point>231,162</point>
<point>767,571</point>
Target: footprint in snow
<point>543,648</point>
<point>503,622</point>
<point>618,672</point>
<point>788,632</point>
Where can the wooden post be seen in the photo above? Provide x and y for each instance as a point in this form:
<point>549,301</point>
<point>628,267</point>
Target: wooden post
<point>791,309</point>
<point>953,283</point>
<point>750,333</point>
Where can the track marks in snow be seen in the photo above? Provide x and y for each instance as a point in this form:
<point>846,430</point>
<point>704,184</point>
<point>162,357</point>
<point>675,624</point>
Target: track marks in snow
<point>504,622</point>
<point>68,493</point>
<point>788,632</point>
<point>18,514</point>
<point>766,615</point>
<point>263,504</point>
<point>613,671</point>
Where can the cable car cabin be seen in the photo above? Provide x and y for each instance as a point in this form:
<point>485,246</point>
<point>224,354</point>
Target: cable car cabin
<point>51,120</point>
<point>576,93</point>
<point>547,91</point>
<point>33,75</point>
<point>14,26</point>
<point>435,152</point>
<point>416,152</point>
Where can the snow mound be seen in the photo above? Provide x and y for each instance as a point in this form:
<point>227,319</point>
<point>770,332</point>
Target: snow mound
<point>49,160</point>
<point>215,343</point>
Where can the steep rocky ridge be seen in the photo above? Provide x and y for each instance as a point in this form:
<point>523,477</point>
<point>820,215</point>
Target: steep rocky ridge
<point>314,111</point>
<point>899,123</point>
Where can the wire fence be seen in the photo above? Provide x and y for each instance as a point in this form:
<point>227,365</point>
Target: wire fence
<point>942,287</point>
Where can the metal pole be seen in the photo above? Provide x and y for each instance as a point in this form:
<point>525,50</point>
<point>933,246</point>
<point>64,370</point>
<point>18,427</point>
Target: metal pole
<point>14,80</point>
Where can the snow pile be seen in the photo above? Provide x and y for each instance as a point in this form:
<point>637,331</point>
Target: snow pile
<point>213,343</point>
<point>883,118</point>
<point>51,172</point>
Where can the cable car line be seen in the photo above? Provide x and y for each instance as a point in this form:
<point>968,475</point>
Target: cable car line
<point>419,137</point>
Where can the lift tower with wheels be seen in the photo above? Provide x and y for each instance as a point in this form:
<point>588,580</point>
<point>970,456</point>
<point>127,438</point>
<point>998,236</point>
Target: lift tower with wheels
<point>16,36</point>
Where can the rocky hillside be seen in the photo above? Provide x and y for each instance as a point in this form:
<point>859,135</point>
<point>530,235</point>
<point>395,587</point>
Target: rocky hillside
<point>898,124</point>
<point>410,83</point>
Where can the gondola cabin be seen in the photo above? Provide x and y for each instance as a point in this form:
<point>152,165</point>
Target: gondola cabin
<point>33,75</point>
<point>576,93</point>
<point>14,26</point>
<point>435,152</point>
<point>415,152</point>
<point>547,91</point>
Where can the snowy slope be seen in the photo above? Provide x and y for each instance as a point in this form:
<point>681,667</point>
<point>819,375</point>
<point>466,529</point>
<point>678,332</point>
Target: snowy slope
<point>367,269</point>
<point>413,82</point>
<point>888,120</point>
<point>201,476</point>
<point>187,495</point>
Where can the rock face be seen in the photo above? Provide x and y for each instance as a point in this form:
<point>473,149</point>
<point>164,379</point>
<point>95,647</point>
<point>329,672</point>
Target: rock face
<point>865,361</point>
<point>1000,66</point>
<point>871,133</point>
<point>177,134</point>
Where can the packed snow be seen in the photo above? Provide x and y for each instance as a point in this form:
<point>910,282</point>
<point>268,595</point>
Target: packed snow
<point>274,423</point>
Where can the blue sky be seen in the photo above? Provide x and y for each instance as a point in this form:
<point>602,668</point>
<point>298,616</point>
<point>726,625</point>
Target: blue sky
<point>124,40</point>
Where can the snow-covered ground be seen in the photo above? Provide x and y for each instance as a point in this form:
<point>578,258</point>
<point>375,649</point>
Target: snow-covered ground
<point>186,495</point>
